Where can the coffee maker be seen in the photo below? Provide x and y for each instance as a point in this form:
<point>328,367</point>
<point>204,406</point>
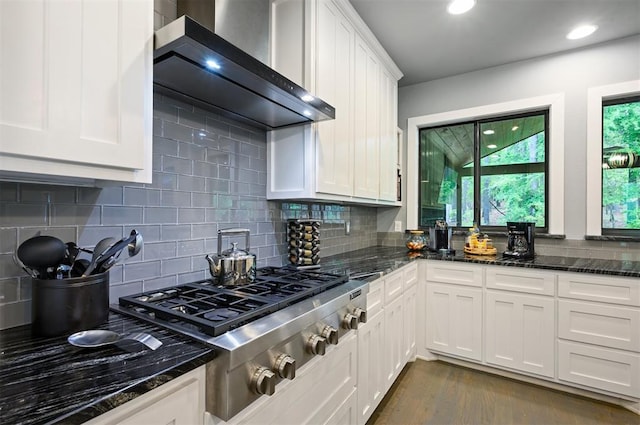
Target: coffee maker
<point>439,236</point>
<point>520,237</point>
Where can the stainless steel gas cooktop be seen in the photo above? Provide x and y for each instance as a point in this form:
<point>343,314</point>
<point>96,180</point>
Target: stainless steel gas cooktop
<point>261,332</point>
<point>205,309</point>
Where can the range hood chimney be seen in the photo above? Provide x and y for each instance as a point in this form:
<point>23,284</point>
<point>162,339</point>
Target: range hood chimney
<point>202,66</point>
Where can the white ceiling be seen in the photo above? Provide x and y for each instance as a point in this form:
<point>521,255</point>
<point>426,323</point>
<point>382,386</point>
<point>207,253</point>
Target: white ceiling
<point>427,43</point>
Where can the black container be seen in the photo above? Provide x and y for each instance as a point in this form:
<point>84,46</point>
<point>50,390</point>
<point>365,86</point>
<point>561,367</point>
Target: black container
<point>65,306</point>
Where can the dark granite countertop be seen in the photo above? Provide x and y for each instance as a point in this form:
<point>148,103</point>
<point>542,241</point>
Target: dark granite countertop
<point>45,380</point>
<point>382,260</point>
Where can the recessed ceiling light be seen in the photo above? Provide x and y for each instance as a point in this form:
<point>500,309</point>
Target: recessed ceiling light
<point>211,64</point>
<point>307,98</point>
<point>457,7</point>
<point>488,132</point>
<point>514,128</point>
<point>582,31</point>
<point>492,146</point>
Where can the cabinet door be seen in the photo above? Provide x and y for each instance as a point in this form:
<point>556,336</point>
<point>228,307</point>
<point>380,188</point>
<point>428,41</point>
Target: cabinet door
<point>454,320</point>
<point>388,139</point>
<point>393,318</point>
<point>410,299</point>
<point>520,332</point>
<point>371,365</point>
<point>334,79</point>
<point>79,103</point>
<point>367,121</point>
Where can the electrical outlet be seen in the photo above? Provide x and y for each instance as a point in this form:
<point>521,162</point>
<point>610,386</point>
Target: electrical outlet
<point>397,226</point>
<point>347,227</point>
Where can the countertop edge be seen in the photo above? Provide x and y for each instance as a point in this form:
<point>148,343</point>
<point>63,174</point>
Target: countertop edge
<point>118,398</point>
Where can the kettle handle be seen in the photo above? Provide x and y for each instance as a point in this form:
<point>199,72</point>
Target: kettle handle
<point>231,232</point>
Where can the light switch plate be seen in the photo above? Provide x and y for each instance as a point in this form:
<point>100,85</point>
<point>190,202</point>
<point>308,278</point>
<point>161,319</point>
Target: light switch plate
<point>397,226</point>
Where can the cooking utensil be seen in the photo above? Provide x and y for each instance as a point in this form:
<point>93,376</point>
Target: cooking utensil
<point>101,247</point>
<point>233,266</point>
<point>72,252</point>
<point>33,273</point>
<point>99,337</point>
<point>133,248</point>
<point>41,252</point>
<point>79,267</point>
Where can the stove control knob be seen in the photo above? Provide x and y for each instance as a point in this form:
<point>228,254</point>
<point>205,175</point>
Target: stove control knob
<point>263,381</point>
<point>317,344</point>
<point>360,314</point>
<point>285,366</point>
<point>350,321</point>
<point>330,334</point>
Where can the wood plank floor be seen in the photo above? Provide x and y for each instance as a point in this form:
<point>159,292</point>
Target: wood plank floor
<point>440,393</point>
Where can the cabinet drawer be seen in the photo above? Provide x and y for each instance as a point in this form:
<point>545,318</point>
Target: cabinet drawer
<point>607,325</point>
<point>410,273</point>
<point>459,274</point>
<point>532,282</point>
<point>392,287</point>
<point>609,289</point>
<point>599,368</point>
<point>375,297</point>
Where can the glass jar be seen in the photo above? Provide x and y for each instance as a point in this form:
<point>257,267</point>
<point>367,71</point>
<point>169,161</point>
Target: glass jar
<point>416,240</point>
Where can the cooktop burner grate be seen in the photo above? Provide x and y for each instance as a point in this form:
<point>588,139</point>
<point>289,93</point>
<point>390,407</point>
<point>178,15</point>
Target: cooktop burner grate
<point>213,310</point>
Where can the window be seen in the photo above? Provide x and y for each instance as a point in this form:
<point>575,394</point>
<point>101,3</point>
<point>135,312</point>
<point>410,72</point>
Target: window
<point>487,171</point>
<point>621,166</point>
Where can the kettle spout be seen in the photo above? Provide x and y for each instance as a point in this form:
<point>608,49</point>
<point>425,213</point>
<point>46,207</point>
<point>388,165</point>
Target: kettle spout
<point>214,266</point>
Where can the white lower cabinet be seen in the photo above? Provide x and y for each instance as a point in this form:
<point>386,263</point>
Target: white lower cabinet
<point>520,332</point>
<point>371,376</point>
<point>410,299</point>
<point>178,402</point>
<point>599,332</point>
<point>323,392</point>
<point>388,339</point>
<point>394,359</point>
<point>410,310</point>
<point>599,368</point>
<point>579,330</point>
<point>606,325</point>
<point>454,320</point>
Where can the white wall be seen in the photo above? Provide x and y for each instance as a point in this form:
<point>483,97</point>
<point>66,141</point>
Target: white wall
<point>569,73</point>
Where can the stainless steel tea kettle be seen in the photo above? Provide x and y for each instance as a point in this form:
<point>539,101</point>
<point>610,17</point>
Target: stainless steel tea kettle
<point>233,266</point>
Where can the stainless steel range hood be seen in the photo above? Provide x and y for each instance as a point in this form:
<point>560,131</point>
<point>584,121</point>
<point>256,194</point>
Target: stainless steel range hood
<point>194,63</point>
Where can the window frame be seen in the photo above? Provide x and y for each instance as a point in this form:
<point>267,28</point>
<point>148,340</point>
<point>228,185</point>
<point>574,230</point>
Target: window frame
<point>596,97</point>
<point>610,102</point>
<point>477,170</point>
<point>555,103</point>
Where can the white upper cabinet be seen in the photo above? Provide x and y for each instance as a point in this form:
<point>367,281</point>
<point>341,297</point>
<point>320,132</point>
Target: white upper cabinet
<point>388,167</point>
<point>334,74</point>
<point>367,121</point>
<point>325,46</point>
<point>76,89</point>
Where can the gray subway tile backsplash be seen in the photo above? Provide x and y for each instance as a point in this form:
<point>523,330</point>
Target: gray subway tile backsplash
<point>209,174</point>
